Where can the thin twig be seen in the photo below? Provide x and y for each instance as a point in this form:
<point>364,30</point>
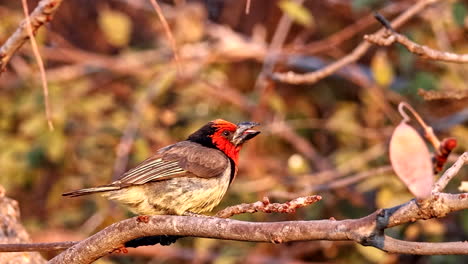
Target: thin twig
<point>279,37</point>
<point>267,207</point>
<point>168,33</point>
<point>358,52</point>
<point>391,36</point>
<point>40,63</point>
<point>247,7</point>
<point>42,247</point>
<point>42,14</point>
<point>450,173</point>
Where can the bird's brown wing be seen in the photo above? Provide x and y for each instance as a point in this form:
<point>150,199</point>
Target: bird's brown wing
<point>177,160</point>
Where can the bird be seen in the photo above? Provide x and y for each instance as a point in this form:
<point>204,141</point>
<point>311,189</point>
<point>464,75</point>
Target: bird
<point>186,178</point>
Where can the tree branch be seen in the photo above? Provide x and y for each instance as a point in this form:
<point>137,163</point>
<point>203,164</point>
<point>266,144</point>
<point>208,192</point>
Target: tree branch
<point>42,14</point>
<point>425,52</point>
<point>358,52</point>
<point>450,173</point>
<point>267,207</point>
<point>365,230</point>
<point>368,230</point>
<point>424,248</point>
<point>23,247</point>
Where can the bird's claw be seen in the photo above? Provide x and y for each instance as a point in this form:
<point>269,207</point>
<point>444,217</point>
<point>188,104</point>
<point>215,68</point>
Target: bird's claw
<point>121,249</point>
<point>143,219</point>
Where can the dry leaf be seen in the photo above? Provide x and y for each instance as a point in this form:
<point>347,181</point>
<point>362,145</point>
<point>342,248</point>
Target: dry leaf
<point>411,160</point>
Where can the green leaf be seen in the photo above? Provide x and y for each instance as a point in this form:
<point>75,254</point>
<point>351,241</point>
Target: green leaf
<point>358,5</point>
<point>459,13</point>
<point>297,12</point>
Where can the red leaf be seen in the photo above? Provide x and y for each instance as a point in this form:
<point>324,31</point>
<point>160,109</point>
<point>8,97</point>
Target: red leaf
<point>411,160</point>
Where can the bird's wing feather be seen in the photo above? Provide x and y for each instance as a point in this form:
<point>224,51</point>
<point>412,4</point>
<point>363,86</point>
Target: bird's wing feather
<point>177,160</point>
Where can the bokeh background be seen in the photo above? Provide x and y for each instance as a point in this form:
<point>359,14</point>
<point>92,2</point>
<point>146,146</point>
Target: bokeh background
<point>115,89</point>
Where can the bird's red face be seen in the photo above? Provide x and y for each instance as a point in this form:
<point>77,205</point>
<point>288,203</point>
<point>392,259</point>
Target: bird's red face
<point>225,136</point>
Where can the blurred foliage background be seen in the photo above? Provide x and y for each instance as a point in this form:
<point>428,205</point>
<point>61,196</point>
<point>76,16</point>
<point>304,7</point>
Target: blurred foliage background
<point>112,76</point>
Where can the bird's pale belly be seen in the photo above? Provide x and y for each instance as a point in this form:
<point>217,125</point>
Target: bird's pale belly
<point>173,196</point>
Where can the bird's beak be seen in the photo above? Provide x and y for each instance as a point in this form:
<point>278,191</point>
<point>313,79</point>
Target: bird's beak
<point>244,132</point>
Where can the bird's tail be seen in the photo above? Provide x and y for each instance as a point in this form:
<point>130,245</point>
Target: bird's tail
<point>104,188</point>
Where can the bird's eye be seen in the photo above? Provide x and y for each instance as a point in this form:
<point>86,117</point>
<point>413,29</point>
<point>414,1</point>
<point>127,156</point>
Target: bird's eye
<point>226,133</point>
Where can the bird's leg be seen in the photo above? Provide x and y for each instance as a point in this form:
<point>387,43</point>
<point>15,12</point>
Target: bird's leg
<point>194,214</point>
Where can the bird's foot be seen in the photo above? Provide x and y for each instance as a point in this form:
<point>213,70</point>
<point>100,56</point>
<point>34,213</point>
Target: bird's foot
<point>194,214</point>
<point>143,219</point>
<point>121,249</point>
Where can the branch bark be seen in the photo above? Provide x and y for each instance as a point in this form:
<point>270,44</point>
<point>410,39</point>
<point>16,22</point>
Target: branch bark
<point>11,231</point>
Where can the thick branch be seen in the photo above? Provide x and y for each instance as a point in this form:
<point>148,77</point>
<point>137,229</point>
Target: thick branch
<point>42,14</point>
<point>359,230</point>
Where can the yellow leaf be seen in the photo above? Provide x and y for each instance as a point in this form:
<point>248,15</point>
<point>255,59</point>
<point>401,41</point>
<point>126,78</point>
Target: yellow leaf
<point>297,164</point>
<point>55,143</point>
<point>33,126</point>
<point>372,254</point>
<point>412,232</point>
<point>388,197</point>
<point>433,227</point>
<point>116,26</point>
<point>277,103</point>
<point>297,12</point>
<point>382,69</point>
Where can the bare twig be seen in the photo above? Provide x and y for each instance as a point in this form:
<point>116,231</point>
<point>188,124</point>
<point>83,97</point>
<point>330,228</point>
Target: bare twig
<point>42,14</point>
<point>43,247</point>
<point>247,7</point>
<point>167,31</point>
<point>267,207</point>
<point>450,173</point>
<point>40,63</point>
<point>358,52</point>
<point>279,37</point>
<point>390,36</point>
